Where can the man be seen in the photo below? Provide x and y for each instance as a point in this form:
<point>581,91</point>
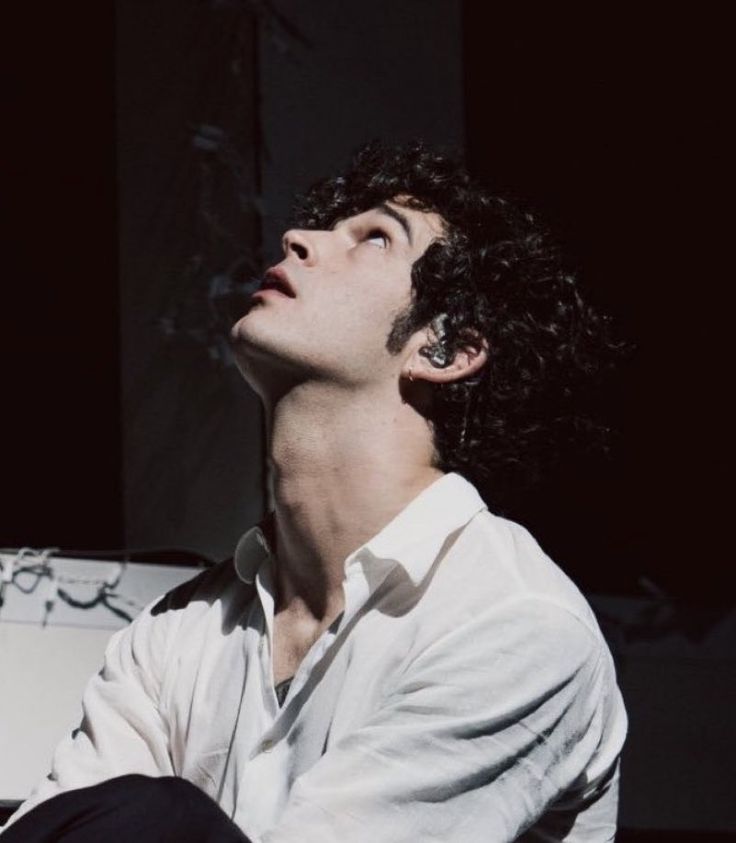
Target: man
<point>385,660</point>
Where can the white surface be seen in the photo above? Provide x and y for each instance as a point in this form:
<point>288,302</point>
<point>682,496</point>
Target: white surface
<point>43,670</point>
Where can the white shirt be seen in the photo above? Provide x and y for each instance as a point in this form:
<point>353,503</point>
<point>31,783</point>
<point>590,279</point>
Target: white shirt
<point>465,694</point>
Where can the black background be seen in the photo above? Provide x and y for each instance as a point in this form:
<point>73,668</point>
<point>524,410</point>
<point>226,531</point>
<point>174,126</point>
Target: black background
<point>609,121</point>
<point>607,124</point>
<point>60,375</point>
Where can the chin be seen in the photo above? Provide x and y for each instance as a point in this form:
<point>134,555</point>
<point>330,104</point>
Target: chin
<point>247,336</point>
<point>260,354</point>
<point>240,328</point>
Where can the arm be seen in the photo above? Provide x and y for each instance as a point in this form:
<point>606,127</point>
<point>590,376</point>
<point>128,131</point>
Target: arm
<point>476,740</point>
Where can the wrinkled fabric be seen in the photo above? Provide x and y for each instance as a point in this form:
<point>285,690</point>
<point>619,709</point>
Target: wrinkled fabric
<point>465,694</point>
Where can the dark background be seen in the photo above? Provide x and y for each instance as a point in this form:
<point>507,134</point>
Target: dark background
<point>60,375</point>
<point>601,123</point>
<point>610,125</point>
<point>607,124</point>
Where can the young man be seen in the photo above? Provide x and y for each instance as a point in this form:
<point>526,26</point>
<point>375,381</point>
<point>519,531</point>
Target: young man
<point>385,660</point>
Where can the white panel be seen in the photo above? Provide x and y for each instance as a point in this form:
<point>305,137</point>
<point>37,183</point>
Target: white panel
<point>43,669</point>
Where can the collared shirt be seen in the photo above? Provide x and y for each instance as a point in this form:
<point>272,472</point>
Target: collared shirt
<point>464,694</point>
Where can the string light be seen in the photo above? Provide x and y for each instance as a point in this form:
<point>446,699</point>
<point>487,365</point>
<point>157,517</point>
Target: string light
<point>28,568</point>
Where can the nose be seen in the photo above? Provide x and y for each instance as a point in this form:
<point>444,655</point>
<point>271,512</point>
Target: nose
<point>297,243</point>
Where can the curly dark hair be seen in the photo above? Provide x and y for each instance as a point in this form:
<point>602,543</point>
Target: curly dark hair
<point>496,274</point>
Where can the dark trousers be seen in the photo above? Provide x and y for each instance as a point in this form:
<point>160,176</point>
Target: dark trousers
<point>130,808</point>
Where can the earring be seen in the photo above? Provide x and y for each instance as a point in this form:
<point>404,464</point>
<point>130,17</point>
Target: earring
<point>411,375</point>
<point>438,353</point>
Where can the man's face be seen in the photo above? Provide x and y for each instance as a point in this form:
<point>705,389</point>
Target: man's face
<point>326,310</point>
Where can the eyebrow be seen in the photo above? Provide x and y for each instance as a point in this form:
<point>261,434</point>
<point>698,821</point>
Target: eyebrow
<point>400,218</point>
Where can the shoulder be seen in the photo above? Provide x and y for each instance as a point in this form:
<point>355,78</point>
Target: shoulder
<point>216,597</point>
<point>219,583</point>
<point>496,561</point>
<point>505,613</point>
<point>519,636</point>
<point>497,602</point>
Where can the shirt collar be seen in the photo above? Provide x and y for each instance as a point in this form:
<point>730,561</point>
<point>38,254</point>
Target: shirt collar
<point>415,536</point>
<point>412,539</point>
<point>251,552</point>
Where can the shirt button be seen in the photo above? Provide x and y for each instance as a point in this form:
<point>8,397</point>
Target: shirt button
<point>267,745</point>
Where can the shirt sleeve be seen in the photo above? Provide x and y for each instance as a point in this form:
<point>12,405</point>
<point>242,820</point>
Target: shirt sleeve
<point>478,737</point>
<point>123,729</point>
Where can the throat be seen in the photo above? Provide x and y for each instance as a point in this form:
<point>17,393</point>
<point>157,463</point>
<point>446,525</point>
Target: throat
<point>293,637</point>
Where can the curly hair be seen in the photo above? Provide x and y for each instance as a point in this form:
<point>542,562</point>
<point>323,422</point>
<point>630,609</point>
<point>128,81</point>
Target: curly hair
<point>495,274</point>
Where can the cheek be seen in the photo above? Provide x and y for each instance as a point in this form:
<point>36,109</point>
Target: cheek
<point>359,302</point>
<point>353,327</point>
<point>368,313</point>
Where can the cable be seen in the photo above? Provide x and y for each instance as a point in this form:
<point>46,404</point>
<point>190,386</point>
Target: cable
<point>28,562</point>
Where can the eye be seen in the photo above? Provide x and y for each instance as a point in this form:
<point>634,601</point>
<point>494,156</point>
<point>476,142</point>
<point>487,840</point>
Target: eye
<point>377,238</point>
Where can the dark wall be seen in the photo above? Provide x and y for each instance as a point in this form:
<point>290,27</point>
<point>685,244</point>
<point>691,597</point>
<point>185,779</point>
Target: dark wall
<point>61,410</point>
<point>189,180</point>
<point>606,124</point>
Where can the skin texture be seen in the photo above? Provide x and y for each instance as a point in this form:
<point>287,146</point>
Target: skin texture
<point>347,451</point>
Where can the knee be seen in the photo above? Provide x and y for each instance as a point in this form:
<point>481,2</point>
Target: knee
<point>175,805</point>
<point>145,791</point>
<point>174,790</point>
<point>146,797</point>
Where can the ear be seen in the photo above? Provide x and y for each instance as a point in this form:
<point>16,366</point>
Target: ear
<point>467,361</point>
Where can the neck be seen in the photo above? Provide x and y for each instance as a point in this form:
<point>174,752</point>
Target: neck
<point>344,464</point>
